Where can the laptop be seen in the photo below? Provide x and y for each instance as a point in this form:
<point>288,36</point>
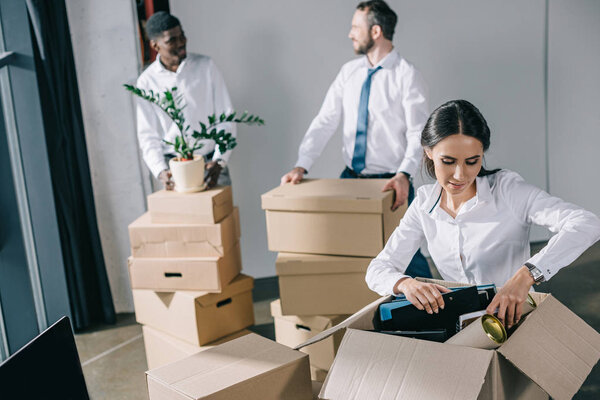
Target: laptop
<point>48,367</point>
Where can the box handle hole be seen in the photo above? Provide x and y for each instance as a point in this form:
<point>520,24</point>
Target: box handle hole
<point>223,302</point>
<point>173,275</point>
<point>303,327</point>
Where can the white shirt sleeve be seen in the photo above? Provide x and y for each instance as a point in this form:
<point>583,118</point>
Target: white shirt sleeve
<point>416,111</point>
<point>575,228</point>
<point>323,126</point>
<point>149,137</point>
<point>389,265</point>
<point>222,103</point>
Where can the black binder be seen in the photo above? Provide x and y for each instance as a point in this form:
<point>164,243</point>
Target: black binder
<point>403,316</point>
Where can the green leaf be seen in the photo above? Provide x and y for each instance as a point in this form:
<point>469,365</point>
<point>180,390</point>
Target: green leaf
<point>211,119</point>
<point>231,117</point>
<point>222,117</point>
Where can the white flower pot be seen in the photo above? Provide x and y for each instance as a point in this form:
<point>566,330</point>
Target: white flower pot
<point>188,175</point>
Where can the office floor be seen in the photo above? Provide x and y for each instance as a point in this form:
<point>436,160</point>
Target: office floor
<point>114,361</point>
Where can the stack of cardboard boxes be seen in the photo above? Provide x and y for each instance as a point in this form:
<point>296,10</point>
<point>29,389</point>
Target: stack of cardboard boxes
<point>326,231</point>
<point>185,267</point>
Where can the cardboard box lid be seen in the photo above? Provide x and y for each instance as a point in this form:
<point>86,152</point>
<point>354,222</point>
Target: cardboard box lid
<point>330,195</point>
<point>241,283</point>
<point>206,232</point>
<point>555,348</point>
<point>220,367</point>
<point>216,196</point>
<point>382,367</point>
<point>314,322</point>
<point>312,264</point>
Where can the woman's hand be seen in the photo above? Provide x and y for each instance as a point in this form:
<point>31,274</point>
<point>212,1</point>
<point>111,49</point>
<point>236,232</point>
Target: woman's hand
<point>424,296</point>
<point>509,300</point>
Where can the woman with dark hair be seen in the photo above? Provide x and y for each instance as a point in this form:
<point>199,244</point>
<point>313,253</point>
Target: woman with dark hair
<point>476,222</point>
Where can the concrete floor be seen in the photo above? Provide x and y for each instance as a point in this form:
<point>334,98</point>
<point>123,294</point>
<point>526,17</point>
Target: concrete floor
<point>114,361</point>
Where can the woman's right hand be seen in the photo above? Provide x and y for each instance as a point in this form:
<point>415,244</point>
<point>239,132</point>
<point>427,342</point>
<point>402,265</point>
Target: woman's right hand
<point>424,296</point>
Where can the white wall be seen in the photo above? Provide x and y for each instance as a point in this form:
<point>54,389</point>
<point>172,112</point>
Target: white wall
<point>105,47</point>
<point>279,57</point>
<point>574,101</point>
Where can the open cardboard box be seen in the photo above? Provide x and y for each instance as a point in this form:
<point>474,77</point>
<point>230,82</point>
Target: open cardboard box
<point>311,284</point>
<point>331,216</point>
<point>149,239</point>
<point>550,353</point>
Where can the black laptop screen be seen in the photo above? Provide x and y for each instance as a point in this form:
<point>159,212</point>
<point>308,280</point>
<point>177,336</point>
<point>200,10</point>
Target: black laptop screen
<point>48,367</point>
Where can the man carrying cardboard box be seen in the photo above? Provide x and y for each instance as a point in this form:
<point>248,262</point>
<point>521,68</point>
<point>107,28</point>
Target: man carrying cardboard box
<point>381,97</point>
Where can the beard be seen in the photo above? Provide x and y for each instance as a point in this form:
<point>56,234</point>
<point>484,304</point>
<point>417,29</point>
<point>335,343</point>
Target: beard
<point>363,48</point>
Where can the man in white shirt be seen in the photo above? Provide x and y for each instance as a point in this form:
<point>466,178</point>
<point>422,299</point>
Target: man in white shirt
<point>202,88</point>
<point>381,99</point>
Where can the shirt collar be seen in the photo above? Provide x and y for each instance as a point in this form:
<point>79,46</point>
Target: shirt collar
<point>386,62</point>
<point>483,195</point>
<point>161,68</point>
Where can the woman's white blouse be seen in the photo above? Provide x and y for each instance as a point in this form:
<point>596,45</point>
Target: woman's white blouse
<point>488,241</point>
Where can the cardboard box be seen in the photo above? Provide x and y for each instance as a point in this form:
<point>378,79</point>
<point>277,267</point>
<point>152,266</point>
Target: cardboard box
<point>162,348</point>
<point>316,388</point>
<point>317,375</point>
<point>248,368</point>
<point>331,216</point>
<point>207,207</point>
<point>292,330</point>
<point>550,353</point>
<point>321,285</point>
<point>197,317</point>
<point>210,274</point>
<point>149,239</point>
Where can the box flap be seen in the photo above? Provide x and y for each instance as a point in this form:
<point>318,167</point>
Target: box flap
<point>314,322</point>
<point>330,195</point>
<point>312,264</point>
<point>221,367</point>
<point>161,239</point>
<point>372,365</point>
<point>241,283</point>
<point>555,348</point>
<point>362,319</point>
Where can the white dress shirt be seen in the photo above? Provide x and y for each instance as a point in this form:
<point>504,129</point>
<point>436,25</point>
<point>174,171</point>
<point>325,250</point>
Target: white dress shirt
<point>398,112</point>
<point>203,92</point>
<point>488,241</point>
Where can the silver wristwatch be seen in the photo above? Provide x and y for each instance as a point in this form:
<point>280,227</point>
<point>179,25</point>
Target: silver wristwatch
<point>536,274</point>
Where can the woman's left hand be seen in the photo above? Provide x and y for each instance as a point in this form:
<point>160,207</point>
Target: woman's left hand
<point>509,300</point>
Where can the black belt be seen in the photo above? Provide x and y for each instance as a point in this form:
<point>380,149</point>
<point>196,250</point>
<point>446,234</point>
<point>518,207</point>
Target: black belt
<point>354,174</point>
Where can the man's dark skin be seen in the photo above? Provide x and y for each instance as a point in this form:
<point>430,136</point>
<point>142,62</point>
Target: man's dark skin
<point>171,48</point>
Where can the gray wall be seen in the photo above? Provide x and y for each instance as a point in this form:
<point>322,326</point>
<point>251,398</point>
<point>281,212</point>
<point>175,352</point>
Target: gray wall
<point>574,101</point>
<point>105,46</point>
<point>279,58</point>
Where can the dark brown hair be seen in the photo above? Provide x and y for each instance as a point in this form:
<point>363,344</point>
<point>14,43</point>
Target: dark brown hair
<point>379,13</point>
<point>452,118</point>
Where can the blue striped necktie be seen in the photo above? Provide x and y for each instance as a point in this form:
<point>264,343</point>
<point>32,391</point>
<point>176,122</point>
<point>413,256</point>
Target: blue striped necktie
<point>360,145</point>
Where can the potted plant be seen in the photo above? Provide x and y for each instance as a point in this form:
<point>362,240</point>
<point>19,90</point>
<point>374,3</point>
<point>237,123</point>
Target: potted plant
<point>187,170</point>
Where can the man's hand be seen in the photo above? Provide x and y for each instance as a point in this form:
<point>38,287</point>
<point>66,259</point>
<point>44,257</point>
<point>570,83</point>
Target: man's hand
<point>509,300</point>
<point>294,176</point>
<point>211,176</point>
<point>424,296</point>
<point>400,184</point>
<point>165,178</point>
